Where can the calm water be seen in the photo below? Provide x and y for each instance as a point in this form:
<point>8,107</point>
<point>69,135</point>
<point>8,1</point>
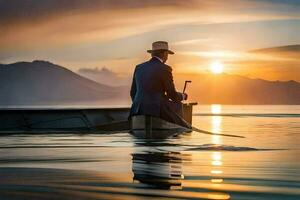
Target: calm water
<point>263,165</point>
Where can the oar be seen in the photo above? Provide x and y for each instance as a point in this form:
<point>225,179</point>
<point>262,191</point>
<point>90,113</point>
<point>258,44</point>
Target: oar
<point>185,84</point>
<point>217,134</point>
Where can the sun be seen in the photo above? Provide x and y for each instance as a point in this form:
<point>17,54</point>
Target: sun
<point>216,67</point>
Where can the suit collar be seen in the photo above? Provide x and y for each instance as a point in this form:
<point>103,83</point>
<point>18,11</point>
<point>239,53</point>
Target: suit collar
<point>156,58</point>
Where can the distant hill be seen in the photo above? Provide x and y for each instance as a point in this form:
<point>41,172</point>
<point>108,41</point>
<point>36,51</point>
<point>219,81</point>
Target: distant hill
<point>44,83</point>
<point>233,89</point>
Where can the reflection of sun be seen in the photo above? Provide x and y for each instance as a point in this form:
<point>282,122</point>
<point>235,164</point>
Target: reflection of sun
<point>216,123</point>
<point>216,67</point>
<point>216,157</point>
<point>216,108</point>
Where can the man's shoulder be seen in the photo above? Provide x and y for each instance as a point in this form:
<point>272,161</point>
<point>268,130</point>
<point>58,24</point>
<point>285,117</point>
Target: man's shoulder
<point>167,67</point>
<point>142,64</point>
<point>160,65</point>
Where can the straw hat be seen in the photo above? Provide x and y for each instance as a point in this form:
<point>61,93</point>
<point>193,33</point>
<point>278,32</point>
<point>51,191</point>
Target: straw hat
<point>160,45</point>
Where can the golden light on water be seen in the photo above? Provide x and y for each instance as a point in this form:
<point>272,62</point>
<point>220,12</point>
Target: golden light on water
<point>216,163</point>
<point>216,157</point>
<point>216,67</point>
<point>216,171</point>
<point>216,122</point>
<point>216,180</point>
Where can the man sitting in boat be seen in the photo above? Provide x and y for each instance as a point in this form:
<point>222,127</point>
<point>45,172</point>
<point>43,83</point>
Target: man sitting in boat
<point>153,92</point>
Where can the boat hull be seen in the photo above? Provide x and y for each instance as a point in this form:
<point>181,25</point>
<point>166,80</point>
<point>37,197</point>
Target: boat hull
<point>62,120</point>
<point>57,120</point>
<point>151,127</point>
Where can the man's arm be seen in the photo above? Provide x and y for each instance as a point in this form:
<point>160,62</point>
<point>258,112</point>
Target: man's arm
<point>133,87</point>
<point>170,87</point>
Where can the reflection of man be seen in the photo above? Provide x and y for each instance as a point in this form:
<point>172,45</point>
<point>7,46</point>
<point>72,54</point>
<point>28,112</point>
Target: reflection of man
<point>158,169</point>
<point>153,92</point>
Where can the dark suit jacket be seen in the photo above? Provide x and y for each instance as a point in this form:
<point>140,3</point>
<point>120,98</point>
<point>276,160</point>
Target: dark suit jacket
<point>152,86</point>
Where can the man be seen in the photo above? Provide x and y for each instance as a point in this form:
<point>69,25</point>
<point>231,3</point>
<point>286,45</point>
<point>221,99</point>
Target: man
<point>153,92</point>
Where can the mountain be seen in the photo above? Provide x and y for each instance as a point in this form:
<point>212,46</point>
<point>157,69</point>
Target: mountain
<point>233,89</point>
<point>44,83</point>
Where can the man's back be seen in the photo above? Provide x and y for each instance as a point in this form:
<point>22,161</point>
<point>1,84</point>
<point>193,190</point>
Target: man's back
<point>152,85</point>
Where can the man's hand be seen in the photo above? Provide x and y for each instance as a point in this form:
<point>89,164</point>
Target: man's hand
<point>184,96</point>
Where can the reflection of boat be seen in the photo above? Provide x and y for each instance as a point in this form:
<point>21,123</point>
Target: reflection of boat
<point>158,169</point>
<point>151,127</point>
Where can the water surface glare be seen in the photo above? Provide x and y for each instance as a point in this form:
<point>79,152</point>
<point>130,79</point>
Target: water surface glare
<point>263,165</point>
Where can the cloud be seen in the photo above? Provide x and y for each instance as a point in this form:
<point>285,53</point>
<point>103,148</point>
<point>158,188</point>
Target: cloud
<point>32,23</point>
<point>98,32</point>
<point>16,11</point>
<point>104,76</point>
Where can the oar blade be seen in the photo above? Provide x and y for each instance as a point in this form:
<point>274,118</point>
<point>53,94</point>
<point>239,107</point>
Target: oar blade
<point>217,134</point>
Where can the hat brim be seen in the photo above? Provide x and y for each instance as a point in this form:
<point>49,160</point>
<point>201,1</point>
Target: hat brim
<point>169,51</point>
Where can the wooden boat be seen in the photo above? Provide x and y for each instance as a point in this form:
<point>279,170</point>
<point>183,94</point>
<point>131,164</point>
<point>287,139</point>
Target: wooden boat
<point>40,120</point>
<point>151,127</point>
<point>81,120</point>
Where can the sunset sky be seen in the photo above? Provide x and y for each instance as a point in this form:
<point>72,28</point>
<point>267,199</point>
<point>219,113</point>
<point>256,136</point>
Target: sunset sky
<point>116,34</point>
